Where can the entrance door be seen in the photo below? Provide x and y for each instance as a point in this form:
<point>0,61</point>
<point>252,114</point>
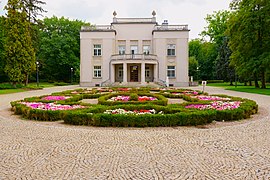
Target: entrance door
<point>134,74</point>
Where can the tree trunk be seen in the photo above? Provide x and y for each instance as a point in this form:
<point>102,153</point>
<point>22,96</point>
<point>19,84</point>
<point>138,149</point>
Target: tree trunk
<point>256,81</point>
<point>250,83</point>
<point>231,82</point>
<point>26,80</point>
<point>263,80</point>
<point>245,83</point>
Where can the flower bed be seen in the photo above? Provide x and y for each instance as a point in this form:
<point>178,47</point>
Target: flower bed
<point>54,98</point>
<point>217,105</point>
<point>212,98</point>
<point>134,112</point>
<point>135,108</point>
<point>50,106</point>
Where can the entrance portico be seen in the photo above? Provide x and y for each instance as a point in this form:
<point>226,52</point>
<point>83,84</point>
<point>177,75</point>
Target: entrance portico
<point>133,68</point>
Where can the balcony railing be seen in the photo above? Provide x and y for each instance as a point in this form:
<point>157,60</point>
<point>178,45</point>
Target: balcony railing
<point>171,28</point>
<point>133,57</point>
<point>98,27</point>
<point>134,20</point>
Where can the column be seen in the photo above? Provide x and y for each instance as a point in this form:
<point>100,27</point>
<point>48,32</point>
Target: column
<point>112,73</point>
<point>156,72</point>
<point>125,72</point>
<point>143,72</point>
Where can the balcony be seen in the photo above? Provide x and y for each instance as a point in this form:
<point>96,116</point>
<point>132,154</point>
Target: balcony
<point>134,57</point>
<point>171,28</point>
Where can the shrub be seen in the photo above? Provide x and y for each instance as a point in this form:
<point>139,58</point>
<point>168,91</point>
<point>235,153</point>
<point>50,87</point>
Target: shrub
<point>173,114</point>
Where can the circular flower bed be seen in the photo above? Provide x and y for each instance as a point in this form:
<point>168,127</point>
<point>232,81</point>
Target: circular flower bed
<point>135,107</point>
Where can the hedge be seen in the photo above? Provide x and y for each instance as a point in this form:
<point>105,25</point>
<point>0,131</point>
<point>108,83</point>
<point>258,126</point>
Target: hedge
<point>104,99</point>
<point>173,114</point>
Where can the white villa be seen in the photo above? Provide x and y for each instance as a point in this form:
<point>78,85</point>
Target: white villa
<point>134,50</point>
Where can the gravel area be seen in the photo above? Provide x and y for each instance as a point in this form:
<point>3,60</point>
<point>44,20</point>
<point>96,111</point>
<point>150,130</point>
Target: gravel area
<point>53,150</point>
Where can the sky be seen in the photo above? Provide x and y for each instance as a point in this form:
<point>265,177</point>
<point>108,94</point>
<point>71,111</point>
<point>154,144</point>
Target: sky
<point>191,12</point>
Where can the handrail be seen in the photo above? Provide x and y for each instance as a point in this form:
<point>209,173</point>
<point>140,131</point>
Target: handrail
<point>171,27</point>
<point>134,56</point>
<point>97,27</point>
<point>160,82</point>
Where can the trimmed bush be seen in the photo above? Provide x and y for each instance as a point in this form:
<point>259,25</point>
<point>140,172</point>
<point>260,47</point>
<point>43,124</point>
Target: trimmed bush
<point>166,115</point>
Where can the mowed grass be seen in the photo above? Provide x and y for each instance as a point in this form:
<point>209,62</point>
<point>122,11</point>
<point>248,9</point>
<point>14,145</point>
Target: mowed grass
<point>30,86</point>
<point>241,88</point>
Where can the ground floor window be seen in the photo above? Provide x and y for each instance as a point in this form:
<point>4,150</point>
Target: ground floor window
<point>171,71</point>
<point>97,71</point>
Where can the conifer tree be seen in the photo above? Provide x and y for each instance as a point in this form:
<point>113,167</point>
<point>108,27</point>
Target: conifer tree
<point>19,53</point>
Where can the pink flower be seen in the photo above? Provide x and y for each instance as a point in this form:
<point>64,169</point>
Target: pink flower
<point>51,106</point>
<point>55,98</point>
<point>217,105</point>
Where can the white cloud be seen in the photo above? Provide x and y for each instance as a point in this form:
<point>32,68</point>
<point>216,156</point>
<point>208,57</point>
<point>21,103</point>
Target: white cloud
<point>191,12</point>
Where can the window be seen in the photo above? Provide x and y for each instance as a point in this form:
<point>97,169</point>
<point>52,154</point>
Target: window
<point>122,49</point>
<point>97,71</point>
<point>120,72</point>
<point>134,49</point>
<point>171,50</point>
<point>147,71</point>
<point>146,49</point>
<point>97,49</point>
<point>171,71</point>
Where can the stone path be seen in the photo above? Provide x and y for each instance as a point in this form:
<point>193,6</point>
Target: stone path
<point>52,150</point>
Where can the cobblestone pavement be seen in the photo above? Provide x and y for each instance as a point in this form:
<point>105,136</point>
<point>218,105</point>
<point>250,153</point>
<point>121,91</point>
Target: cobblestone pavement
<point>53,150</point>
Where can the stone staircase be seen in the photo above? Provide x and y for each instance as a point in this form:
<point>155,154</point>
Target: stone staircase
<point>136,84</point>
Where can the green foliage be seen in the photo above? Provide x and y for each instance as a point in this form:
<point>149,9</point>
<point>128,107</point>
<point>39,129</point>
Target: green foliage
<point>3,77</point>
<point>192,68</point>
<point>60,48</point>
<point>133,97</point>
<point>205,53</point>
<point>19,53</point>
<point>103,99</point>
<point>248,29</point>
<point>170,115</point>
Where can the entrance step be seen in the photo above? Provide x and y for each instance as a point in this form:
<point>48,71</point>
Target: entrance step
<point>136,84</point>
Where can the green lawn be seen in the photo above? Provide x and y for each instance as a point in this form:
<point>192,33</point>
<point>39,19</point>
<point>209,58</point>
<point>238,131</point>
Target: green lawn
<point>29,87</point>
<point>9,91</point>
<point>241,88</point>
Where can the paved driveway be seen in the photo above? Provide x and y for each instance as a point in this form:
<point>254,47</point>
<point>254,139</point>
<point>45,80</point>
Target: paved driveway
<point>53,150</point>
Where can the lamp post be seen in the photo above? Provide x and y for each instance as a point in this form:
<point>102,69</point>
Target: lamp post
<point>37,66</point>
<point>71,71</point>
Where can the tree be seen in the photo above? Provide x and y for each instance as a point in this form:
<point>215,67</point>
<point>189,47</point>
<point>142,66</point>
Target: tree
<point>217,26</point>
<point>60,48</point>
<point>19,54</point>
<point>3,76</point>
<point>193,64</point>
<point>248,28</point>
<point>205,53</point>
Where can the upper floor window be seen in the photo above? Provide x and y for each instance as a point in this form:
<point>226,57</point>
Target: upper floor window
<point>97,49</point>
<point>171,71</point>
<point>146,49</point>
<point>97,71</point>
<point>134,49</point>
<point>171,50</point>
<point>122,49</point>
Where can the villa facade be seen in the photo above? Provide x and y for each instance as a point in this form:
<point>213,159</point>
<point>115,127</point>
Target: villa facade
<point>134,50</point>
